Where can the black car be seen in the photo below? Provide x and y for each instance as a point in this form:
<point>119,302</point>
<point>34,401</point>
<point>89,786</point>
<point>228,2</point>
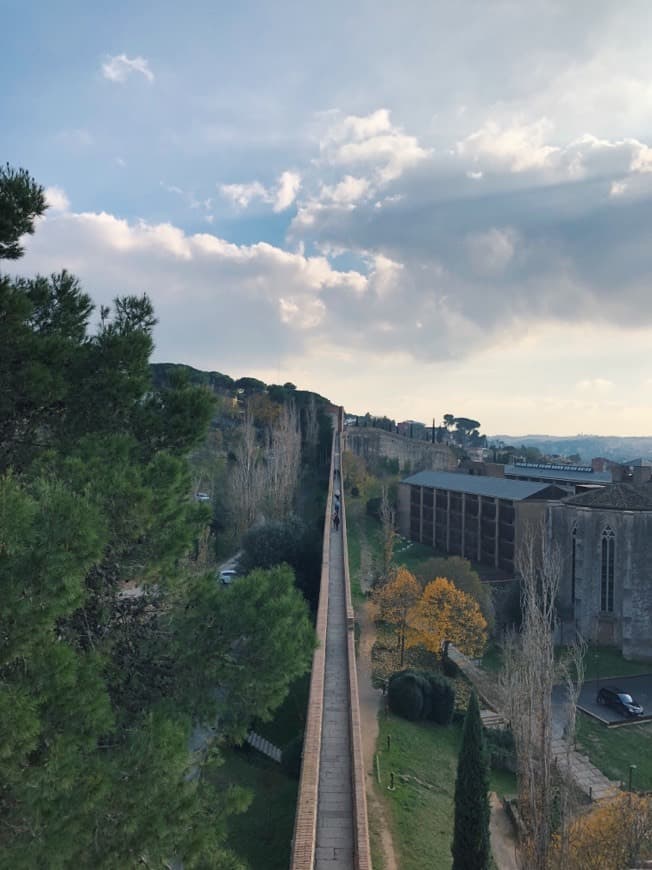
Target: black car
<point>619,701</point>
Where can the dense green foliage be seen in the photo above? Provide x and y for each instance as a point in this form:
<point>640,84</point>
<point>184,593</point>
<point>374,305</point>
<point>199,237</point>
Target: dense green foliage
<point>471,848</point>
<point>418,695</point>
<point>102,683</point>
<point>291,542</point>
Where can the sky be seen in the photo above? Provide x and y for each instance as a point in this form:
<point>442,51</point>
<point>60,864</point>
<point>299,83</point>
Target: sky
<point>413,209</point>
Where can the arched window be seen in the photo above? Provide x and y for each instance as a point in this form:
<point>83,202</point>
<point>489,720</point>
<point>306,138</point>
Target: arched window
<point>607,571</point>
<point>573,563</point>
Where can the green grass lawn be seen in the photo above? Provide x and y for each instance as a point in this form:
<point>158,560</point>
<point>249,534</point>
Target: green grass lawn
<point>612,750</point>
<point>608,662</point>
<point>261,836</point>
<point>422,807</point>
<point>411,554</point>
<point>360,527</point>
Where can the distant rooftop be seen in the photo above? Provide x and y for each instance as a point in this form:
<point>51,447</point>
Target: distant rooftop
<point>492,487</point>
<point>569,473</point>
<point>619,496</point>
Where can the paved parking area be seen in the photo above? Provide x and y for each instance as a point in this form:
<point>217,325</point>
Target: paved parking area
<point>639,687</point>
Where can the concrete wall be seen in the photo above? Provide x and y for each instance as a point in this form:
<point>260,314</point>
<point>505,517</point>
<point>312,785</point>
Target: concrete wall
<point>411,454</point>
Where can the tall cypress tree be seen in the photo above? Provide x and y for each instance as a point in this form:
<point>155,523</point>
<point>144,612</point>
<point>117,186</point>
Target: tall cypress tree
<point>471,847</point>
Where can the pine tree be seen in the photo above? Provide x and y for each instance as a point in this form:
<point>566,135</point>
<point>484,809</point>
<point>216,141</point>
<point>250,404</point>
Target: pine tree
<point>99,693</point>
<point>471,848</point>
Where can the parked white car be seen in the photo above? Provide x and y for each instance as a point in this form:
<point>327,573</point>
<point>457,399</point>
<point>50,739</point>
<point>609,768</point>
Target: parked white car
<point>202,496</point>
<point>227,576</point>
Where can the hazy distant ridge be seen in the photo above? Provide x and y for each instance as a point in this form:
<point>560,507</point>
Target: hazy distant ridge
<point>618,448</point>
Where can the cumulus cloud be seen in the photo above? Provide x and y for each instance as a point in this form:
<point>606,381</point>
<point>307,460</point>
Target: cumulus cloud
<point>371,141</point>
<point>272,299</point>
<point>286,192</point>
<point>280,197</point>
<point>517,148</point>
<point>119,67</point>
<point>56,199</point>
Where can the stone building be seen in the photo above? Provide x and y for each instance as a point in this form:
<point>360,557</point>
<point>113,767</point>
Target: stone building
<point>480,518</point>
<point>605,536</point>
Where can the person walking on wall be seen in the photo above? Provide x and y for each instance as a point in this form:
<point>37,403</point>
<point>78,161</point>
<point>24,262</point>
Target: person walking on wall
<point>336,521</point>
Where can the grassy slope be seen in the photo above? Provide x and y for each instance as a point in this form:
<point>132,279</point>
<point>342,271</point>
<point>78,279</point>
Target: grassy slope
<point>422,817</point>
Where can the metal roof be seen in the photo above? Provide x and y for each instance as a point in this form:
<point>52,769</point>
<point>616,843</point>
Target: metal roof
<point>572,475</point>
<point>492,487</point>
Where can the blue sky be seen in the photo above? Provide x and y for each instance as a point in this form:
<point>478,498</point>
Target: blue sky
<point>418,209</point>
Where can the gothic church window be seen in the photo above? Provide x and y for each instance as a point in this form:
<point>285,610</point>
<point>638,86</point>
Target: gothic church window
<point>607,571</point>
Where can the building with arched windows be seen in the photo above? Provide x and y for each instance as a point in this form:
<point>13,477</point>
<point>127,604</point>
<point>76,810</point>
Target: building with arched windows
<point>605,536</point>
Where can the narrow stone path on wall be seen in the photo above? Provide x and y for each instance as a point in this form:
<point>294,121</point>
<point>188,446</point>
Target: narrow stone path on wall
<point>334,843</point>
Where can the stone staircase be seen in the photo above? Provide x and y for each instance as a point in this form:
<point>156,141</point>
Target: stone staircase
<point>264,746</point>
<point>586,777</point>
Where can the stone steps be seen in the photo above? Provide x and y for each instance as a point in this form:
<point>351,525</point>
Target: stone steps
<point>264,746</point>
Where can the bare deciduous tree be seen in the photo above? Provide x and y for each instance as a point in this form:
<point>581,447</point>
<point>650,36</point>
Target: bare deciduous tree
<point>246,479</point>
<point>283,463</point>
<point>527,685</point>
<point>388,525</point>
<point>572,670</point>
<point>312,426</point>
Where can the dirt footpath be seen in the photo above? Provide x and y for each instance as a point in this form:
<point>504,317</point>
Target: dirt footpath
<point>370,704</point>
<point>503,840</point>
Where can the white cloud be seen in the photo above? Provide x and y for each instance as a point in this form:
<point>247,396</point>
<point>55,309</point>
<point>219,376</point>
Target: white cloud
<point>280,197</point>
<point>346,192</point>
<point>286,192</point>
<point>372,141</point>
<point>517,148</point>
<point>243,194</point>
<point>56,198</point>
<point>119,67</point>
<point>271,298</point>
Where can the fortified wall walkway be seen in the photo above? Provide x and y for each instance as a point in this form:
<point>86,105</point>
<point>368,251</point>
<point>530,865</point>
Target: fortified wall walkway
<point>331,831</point>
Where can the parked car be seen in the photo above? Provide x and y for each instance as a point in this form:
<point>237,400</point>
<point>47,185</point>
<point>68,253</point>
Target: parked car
<point>227,576</point>
<point>620,701</point>
<point>202,496</point>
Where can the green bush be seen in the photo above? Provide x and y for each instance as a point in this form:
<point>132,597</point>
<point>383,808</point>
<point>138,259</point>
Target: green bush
<point>442,699</point>
<point>407,694</point>
<point>418,695</point>
<point>450,669</point>
<point>500,746</point>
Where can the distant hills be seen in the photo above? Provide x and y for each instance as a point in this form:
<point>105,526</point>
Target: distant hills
<point>619,449</point>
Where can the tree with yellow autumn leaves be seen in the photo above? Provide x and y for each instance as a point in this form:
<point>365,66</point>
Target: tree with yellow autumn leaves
<point>617,833</point>
<point>427,617</point>
<point>395,600</point>
<point>445,613</point>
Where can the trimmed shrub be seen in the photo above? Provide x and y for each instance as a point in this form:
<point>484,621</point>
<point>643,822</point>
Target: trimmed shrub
<point>442,699</point>
<point>418,695</point>
<point>408,693</point>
